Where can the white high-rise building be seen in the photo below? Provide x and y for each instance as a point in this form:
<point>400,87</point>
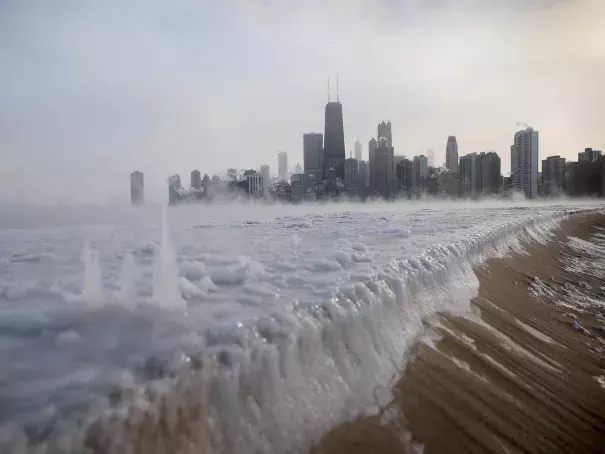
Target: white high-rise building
<point>358,151</point>
<point>525,167</point>
<point>282,165</point>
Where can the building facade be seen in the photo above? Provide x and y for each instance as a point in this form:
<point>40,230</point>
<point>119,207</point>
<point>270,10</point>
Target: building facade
<point>384,130</point>
<point>255,184</point>
<point>174,186</point>
<point>196,179</point>
<point>334,140</point>
<point>451,154</point>
<point>313,154</point>
<point>404,171</point>
<point>420,173</point>
<point>364,174</point>
<point>358,151</point>
<point>137,188</point>
<point>265,174</point>
<point>491,180</point>
<point>382,168</point>
<point>470,175</point>
<point>589,155</point>
<point>553,175</point>
<point>351,173</point>
<point>282,165</point>
<point>525,169</point>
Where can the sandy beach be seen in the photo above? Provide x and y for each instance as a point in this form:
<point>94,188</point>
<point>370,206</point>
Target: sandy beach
<point>522,373</point>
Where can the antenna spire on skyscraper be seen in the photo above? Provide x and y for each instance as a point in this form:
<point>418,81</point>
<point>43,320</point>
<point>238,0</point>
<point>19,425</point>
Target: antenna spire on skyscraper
<point>328,89</point>
<point>337,95</point>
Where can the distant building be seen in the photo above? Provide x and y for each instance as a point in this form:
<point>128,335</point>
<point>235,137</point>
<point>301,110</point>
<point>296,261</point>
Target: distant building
<point>490,173</point>
<point>313,154</point>
<point>206,182</point>
<point>553,175</point>
<point>470,175</point>
<point>513,161</point>
<point>334,141</point>
<point>404,170</point>
<point>372,145</point>
<point>174,185</point>
<point>430,153</point>
<point>397,159</point>
<point>364,173</point>
<point>196,179</point>
<point>232,174</point>
<point>137,188</point>
<point>255,183</point>
<point>451,154</point>
<point>384,130</point>
<point>358,151</point>
<point>526,162</point>
<point>480,174</point>
<point>266,176</point>
<point>420,173</point>
<point>300,187</point>
<point>589,155</point>
<point>585,179</point>
<point>382,168</point>
<point>351,173</point>
<point>282,165</point>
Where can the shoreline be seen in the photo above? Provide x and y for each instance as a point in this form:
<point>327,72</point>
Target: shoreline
<point>514,377</point>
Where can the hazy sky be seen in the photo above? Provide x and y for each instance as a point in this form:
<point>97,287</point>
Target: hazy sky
<point>90,91</point>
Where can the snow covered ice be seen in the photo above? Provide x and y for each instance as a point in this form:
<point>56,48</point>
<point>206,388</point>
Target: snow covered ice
<point>305,310</point>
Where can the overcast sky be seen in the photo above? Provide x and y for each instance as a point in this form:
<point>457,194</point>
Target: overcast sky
<point>90,91</point>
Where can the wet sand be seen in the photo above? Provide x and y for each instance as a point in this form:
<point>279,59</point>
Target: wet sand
<point>513,377</point>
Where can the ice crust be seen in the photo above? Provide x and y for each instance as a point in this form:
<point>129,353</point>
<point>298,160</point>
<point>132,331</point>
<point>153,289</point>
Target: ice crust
<point>299,315</point>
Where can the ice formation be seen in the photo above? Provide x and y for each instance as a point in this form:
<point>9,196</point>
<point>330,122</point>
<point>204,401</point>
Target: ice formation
<point>273,323</point>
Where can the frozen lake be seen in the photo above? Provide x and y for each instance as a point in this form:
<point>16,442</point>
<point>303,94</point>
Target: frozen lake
<point>305,308</point>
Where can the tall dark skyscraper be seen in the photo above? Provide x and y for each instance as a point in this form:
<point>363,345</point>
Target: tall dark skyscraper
<point>334,140</point>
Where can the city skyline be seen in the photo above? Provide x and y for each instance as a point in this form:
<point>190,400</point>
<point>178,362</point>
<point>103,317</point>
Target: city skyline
<point>146,97</point>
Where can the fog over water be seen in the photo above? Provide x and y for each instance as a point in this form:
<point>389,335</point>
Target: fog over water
<point>92,91</point>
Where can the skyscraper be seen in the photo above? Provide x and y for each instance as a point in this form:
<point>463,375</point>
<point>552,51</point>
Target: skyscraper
<point>196,179</point>
<point>282,165</point>
<point>384,130</point>
<point>526,162</point>
<point>334,140</point>
<point>358,151</point>
<point>313,154</point>
<point>451,154</point>
<point>137,185</point>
